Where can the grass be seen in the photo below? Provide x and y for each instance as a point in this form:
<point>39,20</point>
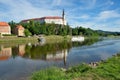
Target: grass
<point>14,39</point>
<point>49,74</point>
<point>106,70</point>
<point>59,74</point>
<point>56,38</point>
<point>49,39</point>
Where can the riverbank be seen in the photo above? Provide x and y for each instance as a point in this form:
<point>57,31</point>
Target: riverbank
<point>15,39</point>
<point>56,38</point>
<point>34,39</point>
<point>105,70</point>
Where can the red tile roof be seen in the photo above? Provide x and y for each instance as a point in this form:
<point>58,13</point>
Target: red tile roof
<point>19,27</point>
<point>52,17</point>
<point>47,17</point>
<point>4,24</point>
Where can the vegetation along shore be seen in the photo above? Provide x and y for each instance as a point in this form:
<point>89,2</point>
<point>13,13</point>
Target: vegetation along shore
<point>103,70</point>
<point>52,32</point>
<point>34,39</point>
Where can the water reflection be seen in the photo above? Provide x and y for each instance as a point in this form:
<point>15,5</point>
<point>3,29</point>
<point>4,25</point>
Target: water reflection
<point>19,61</point>
<point>47,52</point>
<point>18,50</point>
<point>5,53</point>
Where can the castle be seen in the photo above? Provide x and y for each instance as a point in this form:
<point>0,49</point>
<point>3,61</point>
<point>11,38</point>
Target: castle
<point>49,19</point>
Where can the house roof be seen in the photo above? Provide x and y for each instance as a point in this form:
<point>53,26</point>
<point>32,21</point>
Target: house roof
<point>47,17</point>
<point>19,27</point>
<point>4,24</point>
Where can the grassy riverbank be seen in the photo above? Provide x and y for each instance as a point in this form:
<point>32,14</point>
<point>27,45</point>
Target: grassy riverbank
<point>14,39</point>
<point>56,38</point>
<point>49,39</point>
<point>106,70</point>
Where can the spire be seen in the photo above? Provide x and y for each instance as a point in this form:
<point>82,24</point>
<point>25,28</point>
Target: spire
<point>63,14</point>
<point>63,17</point>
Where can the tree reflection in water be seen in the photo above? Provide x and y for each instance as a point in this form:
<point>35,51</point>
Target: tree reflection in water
<point>46,52</point>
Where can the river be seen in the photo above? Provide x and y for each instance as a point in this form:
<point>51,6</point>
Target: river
<point>19,61</point>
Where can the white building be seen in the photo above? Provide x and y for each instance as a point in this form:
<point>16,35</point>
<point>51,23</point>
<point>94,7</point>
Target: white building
<point>49,19</point>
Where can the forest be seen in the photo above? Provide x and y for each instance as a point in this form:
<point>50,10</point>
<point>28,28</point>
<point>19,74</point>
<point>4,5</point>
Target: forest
<point>36,28</point>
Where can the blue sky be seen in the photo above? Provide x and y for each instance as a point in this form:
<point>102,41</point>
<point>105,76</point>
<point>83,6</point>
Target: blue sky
<point>95,14</point>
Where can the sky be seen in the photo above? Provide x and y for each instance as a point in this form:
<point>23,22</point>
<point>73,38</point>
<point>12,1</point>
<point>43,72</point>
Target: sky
<point>94,14</point>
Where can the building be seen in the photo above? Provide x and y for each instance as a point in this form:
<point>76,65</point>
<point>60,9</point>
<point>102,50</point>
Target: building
<point>19,30</point>
<point>5,28</point>
<point>49,19</point>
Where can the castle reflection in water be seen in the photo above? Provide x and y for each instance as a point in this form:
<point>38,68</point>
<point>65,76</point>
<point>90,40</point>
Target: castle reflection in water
<point>48,52</point>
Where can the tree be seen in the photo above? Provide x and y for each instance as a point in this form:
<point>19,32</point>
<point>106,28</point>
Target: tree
<point>47,29</point>
<point>25,25</point>
<point>27,33</point>
<point>75,31</point>
<point>12,25</point>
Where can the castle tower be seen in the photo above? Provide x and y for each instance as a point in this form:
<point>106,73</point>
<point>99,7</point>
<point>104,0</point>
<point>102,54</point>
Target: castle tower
<point>63,17</point>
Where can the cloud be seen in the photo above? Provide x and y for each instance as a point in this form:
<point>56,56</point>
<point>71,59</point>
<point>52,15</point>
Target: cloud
<point>56,2</point>
<point>117,22</point>
<point>84,16</point>
<point>97,26</point>
<point>95,14</point>
<point>105,20</point>
<point>111,2</point>
<point>104,15</point>
<point>22,9</point>
<point>87,4</point>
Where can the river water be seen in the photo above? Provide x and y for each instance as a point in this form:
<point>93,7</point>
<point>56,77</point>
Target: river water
<point>19,61</point>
